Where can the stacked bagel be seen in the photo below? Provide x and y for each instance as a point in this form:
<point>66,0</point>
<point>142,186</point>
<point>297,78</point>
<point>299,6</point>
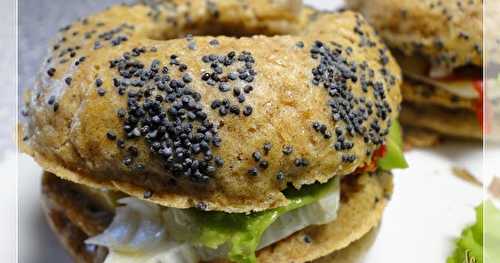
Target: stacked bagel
<point>439,45</point>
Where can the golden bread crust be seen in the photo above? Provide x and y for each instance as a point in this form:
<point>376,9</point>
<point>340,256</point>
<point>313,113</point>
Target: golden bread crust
<point>88,121</point>
<point>453,123</point>
<point>422,94</point>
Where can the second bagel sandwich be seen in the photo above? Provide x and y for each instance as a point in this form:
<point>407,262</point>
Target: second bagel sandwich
<point>439,45</point>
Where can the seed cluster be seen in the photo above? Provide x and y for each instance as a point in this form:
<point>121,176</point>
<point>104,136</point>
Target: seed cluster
<point>238,82</point>
<point>71,46</point>
<point>167,113</point>
<point>114,36</point>
<point>259,159</point>
<point>334,72</point>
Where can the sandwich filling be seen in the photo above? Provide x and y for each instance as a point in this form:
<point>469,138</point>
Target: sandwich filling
<point>145,232</point>
<point>464,82</point>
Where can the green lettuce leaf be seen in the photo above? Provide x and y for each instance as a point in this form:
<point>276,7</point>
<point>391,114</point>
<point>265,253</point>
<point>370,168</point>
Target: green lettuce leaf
<point>393,158</point>
<point>469,246</point>
<point>491,232</point>
<point>243,231</point>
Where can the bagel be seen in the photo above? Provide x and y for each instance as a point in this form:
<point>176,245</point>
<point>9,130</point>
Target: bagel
<point>362,205</point>
<point>440,47</point>
<point>221,123</point>
<point>448,34</point>
<point>250,131</point>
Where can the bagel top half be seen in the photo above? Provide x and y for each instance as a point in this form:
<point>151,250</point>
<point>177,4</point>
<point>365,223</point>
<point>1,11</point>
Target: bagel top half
<point>449,33</point>
<point>218,123</point>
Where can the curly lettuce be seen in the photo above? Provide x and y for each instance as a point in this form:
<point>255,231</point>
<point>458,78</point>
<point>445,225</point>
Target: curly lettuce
<point>470,246</point>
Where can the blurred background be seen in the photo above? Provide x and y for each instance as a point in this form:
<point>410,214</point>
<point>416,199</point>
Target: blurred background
<point>8,166</point>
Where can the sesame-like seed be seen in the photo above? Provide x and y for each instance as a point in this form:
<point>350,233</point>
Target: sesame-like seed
<point>224,87</point>
<point>267,147</point>
<point>214,42</point>
<point>223,111</point>
<point>280,176</point>
<point>120,143</point>
<point>287,149</point>
<point>301,162</point>
<point>192,45</point>
<point>232,76</point>
<point>316,125</point>
<point>205,76</point>
<point>236,91</point>
<point>111,135</point>
<point>148,194</point>
<point>51,72</point>
<point>256,156</point>
<point>121,113</point>
<point>252,171</point>
<point>101,91</point>
<point>201,206</point>
<point>127,161</point>
<point>248,88</point>
<point>234,109</point>
<point>187,78</point>
<point>219,161</point>
<point>51,100</point>
<point>247,110</point>
<point>98,82</point>
<point>241,98</point>
<point>215,104</point>
<point>348,158</point>
<point>263,164</point>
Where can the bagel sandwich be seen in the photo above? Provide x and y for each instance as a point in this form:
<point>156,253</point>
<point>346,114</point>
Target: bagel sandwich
<point>439,45</point>
<point>214,131</point>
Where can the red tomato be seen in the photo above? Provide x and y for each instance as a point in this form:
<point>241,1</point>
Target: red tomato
<point>484,119</point>
<point>372,166</point>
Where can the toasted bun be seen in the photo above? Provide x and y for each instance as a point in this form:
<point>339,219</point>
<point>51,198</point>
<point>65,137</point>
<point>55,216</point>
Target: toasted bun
<point>88,121</point>
<point>449,122</point>
<point>430,113</point>
<point>426,95</point>
<point>363,200</point>
<point>449,33</point>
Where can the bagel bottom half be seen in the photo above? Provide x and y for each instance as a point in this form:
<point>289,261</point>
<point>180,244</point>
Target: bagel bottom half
<point>458,123</point>
<point>74,215</point>
<point>430,114</point>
